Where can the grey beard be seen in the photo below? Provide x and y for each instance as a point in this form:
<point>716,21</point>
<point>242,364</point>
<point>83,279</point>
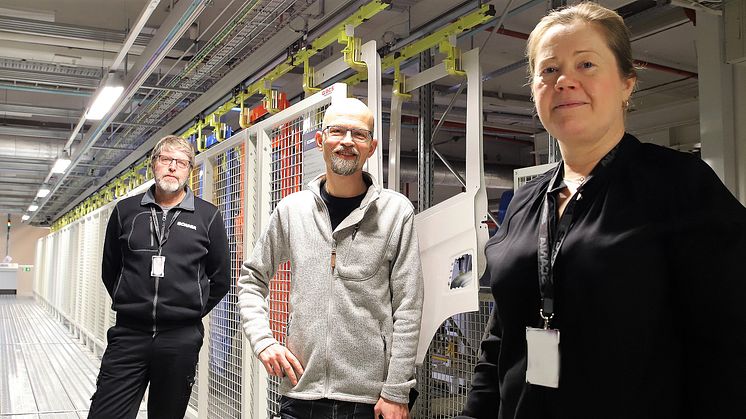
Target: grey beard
<point>344,167</point>
<point>169,187</point>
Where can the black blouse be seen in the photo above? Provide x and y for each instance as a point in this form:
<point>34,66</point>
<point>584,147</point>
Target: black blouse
<point>650,296</point>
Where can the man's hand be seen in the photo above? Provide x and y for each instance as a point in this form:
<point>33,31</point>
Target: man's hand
<point>390,410</point>
<point>279,361</point>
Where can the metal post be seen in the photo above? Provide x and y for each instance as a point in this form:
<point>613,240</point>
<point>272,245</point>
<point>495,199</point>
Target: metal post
<point>424,135</point>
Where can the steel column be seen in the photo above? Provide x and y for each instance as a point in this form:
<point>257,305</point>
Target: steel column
<point>424,136</point>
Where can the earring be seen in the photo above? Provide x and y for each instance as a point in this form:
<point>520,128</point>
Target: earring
<point>625,104</point>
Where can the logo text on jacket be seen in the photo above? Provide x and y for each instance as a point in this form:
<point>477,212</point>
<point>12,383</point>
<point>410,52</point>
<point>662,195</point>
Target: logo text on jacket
<point>179,223</point>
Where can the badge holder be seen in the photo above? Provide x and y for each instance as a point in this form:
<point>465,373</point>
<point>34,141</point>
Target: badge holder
<point>543,354</point>
<point>157,265</point>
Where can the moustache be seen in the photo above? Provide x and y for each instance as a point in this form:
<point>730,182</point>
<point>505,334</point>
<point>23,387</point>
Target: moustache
<point>340,147</point>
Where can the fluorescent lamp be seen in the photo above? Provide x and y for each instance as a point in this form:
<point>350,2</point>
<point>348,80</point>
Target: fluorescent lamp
<point>60,165</point>
<point>25,217</point>
<point>103,102</point>
<point>33,207</point>
<point>43,192</point>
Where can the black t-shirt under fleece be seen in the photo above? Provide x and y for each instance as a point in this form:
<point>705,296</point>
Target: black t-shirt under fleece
<point>340,208</point>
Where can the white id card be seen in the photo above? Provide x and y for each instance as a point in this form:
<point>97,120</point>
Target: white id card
<point>543,357</point>
<point>157,264</point>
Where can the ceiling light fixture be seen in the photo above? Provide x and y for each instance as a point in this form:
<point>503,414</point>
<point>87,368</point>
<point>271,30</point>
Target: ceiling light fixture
<point>25,217</point>
<point>33,207</point>
<point>61,165</point>
<point>106,97</point>
<point>104,101</point>
<point>43,192</point>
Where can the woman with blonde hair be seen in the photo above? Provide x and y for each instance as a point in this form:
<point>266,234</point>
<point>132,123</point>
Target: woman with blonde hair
<point>618,275</point>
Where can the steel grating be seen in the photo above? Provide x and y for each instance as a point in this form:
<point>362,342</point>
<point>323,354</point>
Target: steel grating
<point>43,371</point>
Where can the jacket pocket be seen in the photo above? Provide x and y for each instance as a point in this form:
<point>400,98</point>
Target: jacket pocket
<point>361,254</point>
<point>141,237</point>
<point>385,358</point>
<point>116,289</point>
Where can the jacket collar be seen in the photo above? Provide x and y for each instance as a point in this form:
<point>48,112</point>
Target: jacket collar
<point>356,215</point>
<point>616,157</point>
<point>186,204</point>
<point>370,196</point>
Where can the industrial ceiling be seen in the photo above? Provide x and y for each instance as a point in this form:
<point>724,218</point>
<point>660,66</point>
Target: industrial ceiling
<point>177,59</point>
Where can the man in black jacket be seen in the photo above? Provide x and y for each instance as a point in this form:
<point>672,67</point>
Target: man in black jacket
<point>165,266</point>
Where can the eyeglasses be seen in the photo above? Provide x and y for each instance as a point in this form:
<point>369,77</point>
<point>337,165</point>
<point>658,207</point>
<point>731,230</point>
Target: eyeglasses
<point>358,135</point>
<point>166,161</point>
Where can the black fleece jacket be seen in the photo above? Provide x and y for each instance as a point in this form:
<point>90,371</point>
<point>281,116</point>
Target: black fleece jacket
<point>197,267</point>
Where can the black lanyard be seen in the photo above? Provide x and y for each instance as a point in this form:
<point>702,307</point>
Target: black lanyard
<point>549,245</point>
<point>161,234</point>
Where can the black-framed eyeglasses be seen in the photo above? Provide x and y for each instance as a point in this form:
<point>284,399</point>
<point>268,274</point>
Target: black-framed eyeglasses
<point>166,161</point>
<point>358,135</point>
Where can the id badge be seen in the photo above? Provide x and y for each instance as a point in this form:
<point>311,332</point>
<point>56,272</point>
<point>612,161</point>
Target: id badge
<point>543,357</point>
<point>157,264</point>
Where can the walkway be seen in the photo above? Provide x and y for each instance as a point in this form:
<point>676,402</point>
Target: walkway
<point>44,372</point>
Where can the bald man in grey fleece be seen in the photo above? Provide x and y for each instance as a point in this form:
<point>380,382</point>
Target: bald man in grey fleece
<point>356,291</point>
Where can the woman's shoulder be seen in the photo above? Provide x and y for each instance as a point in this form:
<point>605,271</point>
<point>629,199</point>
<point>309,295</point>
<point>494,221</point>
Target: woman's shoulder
<point>655,153</point>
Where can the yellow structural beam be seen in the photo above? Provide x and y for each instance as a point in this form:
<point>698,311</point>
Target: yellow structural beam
<point>443,38</point>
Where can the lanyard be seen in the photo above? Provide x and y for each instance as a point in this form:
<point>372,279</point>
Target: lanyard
<point>549,246</point>
<point>161,235</point>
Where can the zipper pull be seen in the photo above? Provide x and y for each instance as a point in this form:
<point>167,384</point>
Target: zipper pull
<point>334,258</point>
<point>354,232</point>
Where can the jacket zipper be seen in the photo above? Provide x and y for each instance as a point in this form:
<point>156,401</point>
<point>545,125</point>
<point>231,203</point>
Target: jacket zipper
<point>157,281</point>
<point>155,302</point>
<point>334,257</point>
<point>328,310</point>
<point>385,360</point>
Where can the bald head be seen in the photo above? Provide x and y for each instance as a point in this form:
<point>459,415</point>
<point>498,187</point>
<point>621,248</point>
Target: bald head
<point>349,108</point>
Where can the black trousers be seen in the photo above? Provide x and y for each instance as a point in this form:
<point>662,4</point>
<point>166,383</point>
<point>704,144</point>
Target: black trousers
<point>323,409</point>
<point>135,358</point>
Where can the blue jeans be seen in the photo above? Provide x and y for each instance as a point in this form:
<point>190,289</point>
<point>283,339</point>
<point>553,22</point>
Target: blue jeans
<point>323,409</point>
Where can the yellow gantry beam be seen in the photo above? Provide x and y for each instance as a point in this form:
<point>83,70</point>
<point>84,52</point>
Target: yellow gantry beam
<point>443,38</point>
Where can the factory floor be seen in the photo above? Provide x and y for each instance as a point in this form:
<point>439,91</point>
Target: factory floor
<point>44,372</point>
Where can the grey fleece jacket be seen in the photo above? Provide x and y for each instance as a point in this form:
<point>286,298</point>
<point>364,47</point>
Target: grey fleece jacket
<point>354,323</point>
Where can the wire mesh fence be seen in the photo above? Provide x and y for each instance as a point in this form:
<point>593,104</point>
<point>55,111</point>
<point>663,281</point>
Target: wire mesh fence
<point>225,382</point>
<point>286,177</point>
